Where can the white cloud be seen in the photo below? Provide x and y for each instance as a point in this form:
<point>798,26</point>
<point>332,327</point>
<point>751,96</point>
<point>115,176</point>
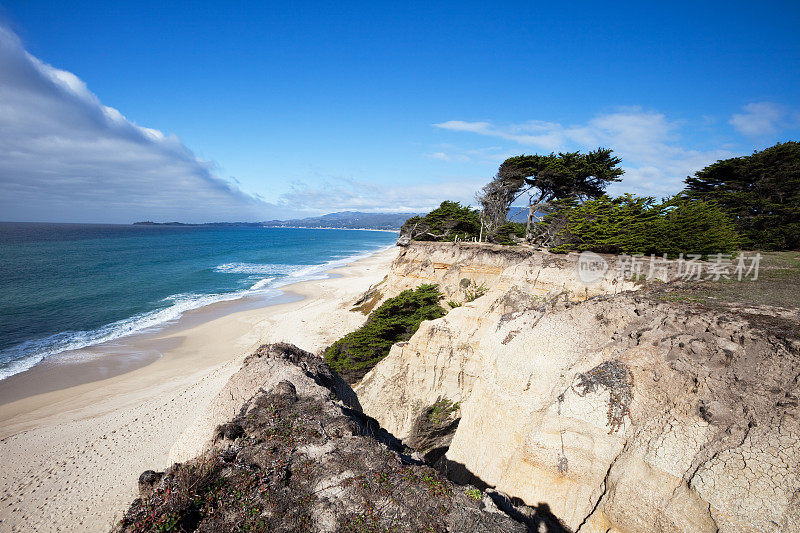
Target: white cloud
<point>758,119</point>
<point>534,132</point>
<point>491,155</point>
<point>648,142</point>
<point>441,156</point>
<point>355,195</point>
<point>64,156</point>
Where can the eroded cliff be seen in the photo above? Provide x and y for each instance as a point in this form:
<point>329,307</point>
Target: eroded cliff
<point>617,411</point>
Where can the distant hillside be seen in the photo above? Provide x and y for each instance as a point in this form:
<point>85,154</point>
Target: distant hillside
<point>343,220</point>
<point>347,219</point>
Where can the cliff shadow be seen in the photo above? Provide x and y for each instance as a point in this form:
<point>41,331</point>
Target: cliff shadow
<point>538,518</point>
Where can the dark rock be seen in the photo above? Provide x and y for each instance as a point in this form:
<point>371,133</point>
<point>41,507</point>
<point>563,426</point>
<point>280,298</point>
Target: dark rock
<point>313,366</point>
<point>147,481</point>
<point>229,431</point>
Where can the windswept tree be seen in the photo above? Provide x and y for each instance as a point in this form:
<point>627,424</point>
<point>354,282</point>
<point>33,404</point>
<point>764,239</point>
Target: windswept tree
<point>448,222</point>
<point>544,179</point>
<point>761,192</point>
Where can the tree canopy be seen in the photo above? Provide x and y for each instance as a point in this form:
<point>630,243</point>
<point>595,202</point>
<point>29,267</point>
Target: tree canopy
<point>546,178</point>
<point>761,192</point>
<point>640,225</point>
<point>449,221</point>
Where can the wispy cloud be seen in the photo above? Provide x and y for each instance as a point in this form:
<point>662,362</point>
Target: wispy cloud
<point>545,134</point>
<point>66,156</point>
<point>356,195</point>
<point>759,119</point>
<point>654,159</point>
<point>489,155</point>
<point>445,156</point>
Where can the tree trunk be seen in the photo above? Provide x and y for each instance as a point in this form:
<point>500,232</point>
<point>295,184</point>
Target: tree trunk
<point>528,235</point>
<point>531,215</point>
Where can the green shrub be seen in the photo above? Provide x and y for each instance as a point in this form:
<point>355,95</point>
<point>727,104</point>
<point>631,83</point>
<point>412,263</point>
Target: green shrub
<point>449,221</point>
<point>639,225</point>
<point>397,319</point>
<point>473,291</point>
<point>609,225</point>
<point>505,234</point>
<point>441,410</point>
<point>475,494</point>
<point>695,227</point>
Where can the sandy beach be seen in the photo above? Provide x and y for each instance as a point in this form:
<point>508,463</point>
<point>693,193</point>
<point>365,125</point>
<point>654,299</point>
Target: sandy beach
<point>75,437</point>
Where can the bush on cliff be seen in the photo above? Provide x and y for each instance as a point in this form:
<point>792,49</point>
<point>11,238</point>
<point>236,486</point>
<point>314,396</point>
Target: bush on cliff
<point>397,319</point>
<point>506,233</point>
<point>448,222</point>
<point>639,225</point>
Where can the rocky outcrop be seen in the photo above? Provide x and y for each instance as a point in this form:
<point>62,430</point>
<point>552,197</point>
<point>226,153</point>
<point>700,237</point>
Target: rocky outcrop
<point>296,457</point>
<point>617,413</point>
<point>261,372</point>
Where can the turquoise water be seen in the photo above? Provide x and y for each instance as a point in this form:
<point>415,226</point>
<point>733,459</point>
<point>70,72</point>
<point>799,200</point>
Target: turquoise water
<point>68,286</point>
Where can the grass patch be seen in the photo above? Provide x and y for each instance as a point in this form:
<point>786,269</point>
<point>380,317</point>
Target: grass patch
<point>397,319</point>
<point>778,285</point>
<point>367,301</point>
<point>440,411</point>
<point>369,304</point>
<point>472,290</point>
<point>475,494</point>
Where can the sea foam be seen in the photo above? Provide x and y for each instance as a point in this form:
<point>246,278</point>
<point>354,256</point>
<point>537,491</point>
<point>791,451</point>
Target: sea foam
<point>25,355</point>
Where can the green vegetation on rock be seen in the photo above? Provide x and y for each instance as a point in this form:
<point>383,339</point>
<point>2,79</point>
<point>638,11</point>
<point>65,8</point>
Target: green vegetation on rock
<point>448,222</point>
<point>475,494</point>
<point>440,411</point>
<point>506,233</point>
<point>473,290</point>
<point>397,319</point>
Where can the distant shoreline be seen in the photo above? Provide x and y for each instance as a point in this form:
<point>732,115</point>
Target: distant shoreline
<point>329,227</point>
<point>253,225</point>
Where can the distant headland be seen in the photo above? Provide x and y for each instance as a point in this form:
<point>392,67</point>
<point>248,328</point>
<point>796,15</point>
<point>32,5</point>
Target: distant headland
<point>340,220</point>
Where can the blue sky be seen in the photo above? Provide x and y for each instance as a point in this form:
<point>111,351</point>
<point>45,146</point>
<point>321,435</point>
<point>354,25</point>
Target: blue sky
<point>258,110</point>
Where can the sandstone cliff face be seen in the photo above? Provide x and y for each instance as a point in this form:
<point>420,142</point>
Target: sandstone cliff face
<point>619,413</point>
<point>447,264</point>
<point>444,358</point>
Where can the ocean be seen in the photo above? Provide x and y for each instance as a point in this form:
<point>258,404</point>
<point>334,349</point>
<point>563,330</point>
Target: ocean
<point>69,286</point>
